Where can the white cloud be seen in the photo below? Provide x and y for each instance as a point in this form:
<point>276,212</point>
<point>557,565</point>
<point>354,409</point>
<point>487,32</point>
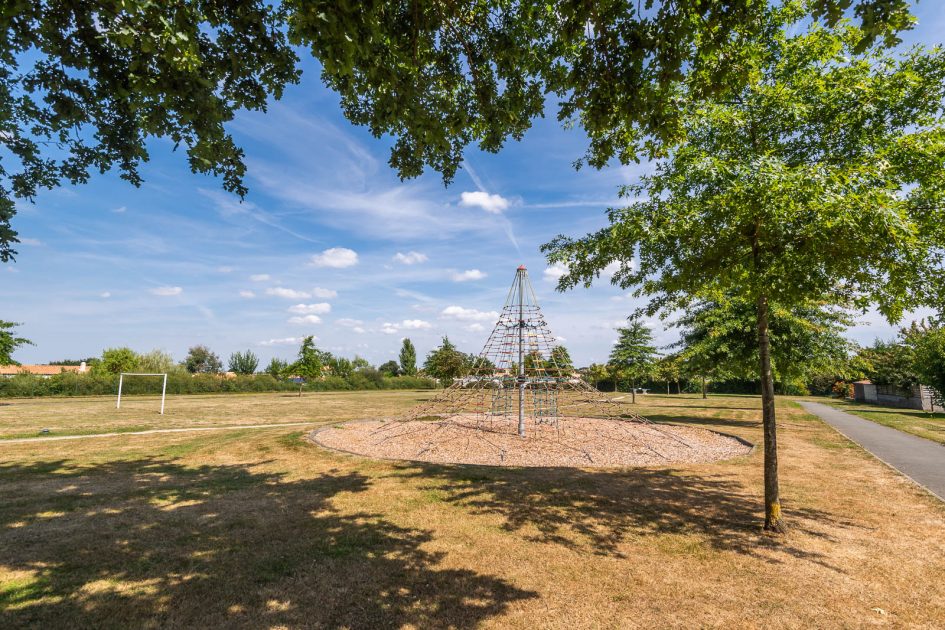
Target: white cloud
<point>290,294</point>
<point>305,319</point>
<point>324,293</point>
<point>259,277</point>
<point>415,324</point>
<point>611,269</point>
<point>105,294</point>
<point>167,291</point>
<point>493,204</point>
<point>311,309</point>
<point>30,241</point>
<point>120,209</point>
<point>336,257</point>
<point>348,322</point>
<point>475,328</point>
<point>247,294</point>
<point>468,314</point>
<point>410,258</point>
<point>225,269</point>
<point>285,341</point>
<point>469,274</point>
<point>555,271</point>
<point>390,328</point>
<point>359,330</point>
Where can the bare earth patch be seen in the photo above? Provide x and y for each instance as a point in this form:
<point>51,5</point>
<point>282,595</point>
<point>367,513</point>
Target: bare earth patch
<point>574,442</point>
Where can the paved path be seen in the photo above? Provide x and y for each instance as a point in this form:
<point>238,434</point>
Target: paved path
<point>88,436</point>
<point>921,460</point>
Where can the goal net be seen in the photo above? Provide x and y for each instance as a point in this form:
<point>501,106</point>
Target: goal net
<point>121,383</point>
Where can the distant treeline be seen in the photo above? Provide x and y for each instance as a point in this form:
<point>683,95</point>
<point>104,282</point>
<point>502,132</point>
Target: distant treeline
<point>72,384</point>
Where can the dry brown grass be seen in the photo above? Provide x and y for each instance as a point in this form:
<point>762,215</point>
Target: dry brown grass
<point>26,417</point>
<point>261,529</point>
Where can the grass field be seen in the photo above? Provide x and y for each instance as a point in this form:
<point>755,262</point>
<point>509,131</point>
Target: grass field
<point>928,425</point>
<point>259,528</point>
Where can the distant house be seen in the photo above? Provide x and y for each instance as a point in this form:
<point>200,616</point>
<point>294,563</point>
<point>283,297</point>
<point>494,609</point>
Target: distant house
<point>44,371</point>
<point>918,397</point>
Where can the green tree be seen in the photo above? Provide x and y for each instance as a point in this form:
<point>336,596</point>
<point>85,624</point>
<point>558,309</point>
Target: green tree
<point>791,190</point>
<point>721,337</point>
<point>116,360</point>
<point>244,362</point>
<point>446,362</point>
<point>341,366</point>
<point>201,360</point>
<point>927,342</point>
<point>408,358</point>
<point>633,354</point>
<point>669,368</point>
<point>85,86</point>
<point>560,362</point>
<point>156,362</point>
<point>277,368</point>
<point>390,368</point>
<point>595,373</point>
<point>9,342</point>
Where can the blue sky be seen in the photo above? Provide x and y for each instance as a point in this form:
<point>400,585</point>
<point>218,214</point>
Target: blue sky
<point>328,242</point>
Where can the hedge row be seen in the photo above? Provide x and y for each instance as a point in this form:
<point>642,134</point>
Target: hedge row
<point>72,384</point>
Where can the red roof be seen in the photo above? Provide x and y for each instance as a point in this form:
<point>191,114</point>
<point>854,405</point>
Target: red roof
<point>39,370</point>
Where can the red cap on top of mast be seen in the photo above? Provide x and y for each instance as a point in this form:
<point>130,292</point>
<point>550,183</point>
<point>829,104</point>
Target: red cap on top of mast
<point>521,268</point>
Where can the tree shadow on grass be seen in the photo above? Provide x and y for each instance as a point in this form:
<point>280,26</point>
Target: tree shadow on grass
<point>703,421</point>
<point>601,510</point>
<point>152,543</point>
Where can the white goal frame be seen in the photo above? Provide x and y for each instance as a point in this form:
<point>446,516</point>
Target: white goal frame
<point>121,380</point>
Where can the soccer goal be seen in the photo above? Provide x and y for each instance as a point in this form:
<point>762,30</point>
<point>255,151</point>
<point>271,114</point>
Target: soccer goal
<point>121,382</point>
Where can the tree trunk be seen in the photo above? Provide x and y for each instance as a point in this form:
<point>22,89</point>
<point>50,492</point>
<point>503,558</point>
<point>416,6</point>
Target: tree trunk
<point>300,388</point>
<point>704,394</point>
<point>773,520</point>
<point>667,388</point>
<point>678,388</point>
<point>633,392</point>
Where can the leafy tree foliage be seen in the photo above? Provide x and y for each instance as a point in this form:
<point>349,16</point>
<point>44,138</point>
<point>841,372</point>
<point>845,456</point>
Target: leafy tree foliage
<point>721,338</point>
<point>243,362</point>
<point>310,360</point>
<point>85,85</point>
<point>116,360</point>
<point>561,359</point>
<point>408,358</point>
<point>201,360</point>
<point>791,190</point>
<point>595,373</point>
<point>927,342</point>
<point>669,368</point>
<point>156,362</point>
<point>277,368</point>
<point>9,342</point>
<point>633,354</point>
<point>891,363</point>
<point>390,368</point>
<point>446,362</point>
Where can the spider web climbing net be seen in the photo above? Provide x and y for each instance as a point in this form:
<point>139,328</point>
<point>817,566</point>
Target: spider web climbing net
<point>518,387</point>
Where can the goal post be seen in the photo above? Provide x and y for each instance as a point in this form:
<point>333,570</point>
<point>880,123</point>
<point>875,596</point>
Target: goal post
<point>121,382</point>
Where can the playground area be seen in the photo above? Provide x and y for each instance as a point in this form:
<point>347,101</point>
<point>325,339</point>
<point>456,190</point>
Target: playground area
<point>243,527</point>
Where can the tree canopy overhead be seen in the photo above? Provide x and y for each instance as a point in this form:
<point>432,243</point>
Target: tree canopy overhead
<point>85,85</point>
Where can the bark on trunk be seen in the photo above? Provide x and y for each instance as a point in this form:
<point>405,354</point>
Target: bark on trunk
<point>667,388</point>
<point>773,519</point>
<point>704,393</point>
<point>678,390</point>
<point>633,392</point>
<point>300,389</point>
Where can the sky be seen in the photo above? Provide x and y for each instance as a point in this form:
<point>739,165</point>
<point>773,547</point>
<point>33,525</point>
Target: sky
<point>328,242</point>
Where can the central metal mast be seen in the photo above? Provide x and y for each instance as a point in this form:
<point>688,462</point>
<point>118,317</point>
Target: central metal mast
<point>521,351</point>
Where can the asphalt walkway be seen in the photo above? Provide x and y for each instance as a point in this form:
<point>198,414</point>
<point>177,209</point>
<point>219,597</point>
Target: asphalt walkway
<point>921,460</point>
